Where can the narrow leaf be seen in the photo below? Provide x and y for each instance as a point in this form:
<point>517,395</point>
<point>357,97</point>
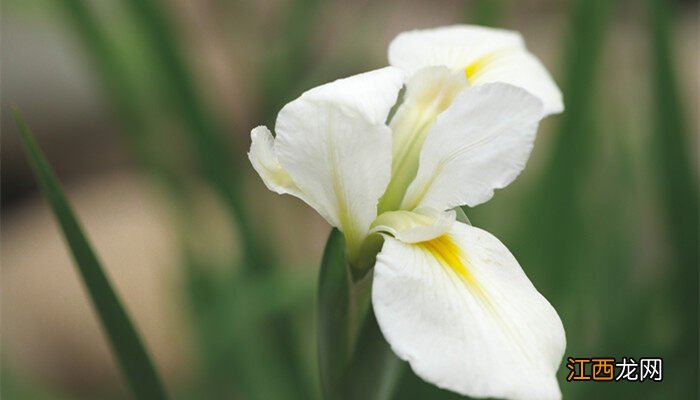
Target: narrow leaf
<point>122,89</point>
<point>333,310</point>
<point>126,344</point>
<point>676,185</point>
<point>205,132</point>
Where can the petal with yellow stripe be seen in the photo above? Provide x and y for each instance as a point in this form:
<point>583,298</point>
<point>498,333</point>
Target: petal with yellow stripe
<point>484,54</point>
<point>462,312</point>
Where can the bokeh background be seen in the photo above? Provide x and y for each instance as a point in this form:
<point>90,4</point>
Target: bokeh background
<point>144,108</point>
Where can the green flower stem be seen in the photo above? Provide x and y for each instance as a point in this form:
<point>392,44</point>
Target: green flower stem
<point>126,344</point>
<point>355,362</point>
<point>366,257</point>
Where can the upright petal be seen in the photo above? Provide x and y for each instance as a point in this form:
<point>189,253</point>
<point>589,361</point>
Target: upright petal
<point>336,147</point>
<point>464,315</point>
<point>480,143</point>
<point>455,47</point>
<point>428,93</point>
<point>485,54</point>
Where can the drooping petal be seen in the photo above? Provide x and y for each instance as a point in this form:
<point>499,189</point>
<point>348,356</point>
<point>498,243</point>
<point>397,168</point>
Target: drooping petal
<point>414,226</point>
<point>480,143</point>
<point>464,315</point>
<point>336,147</point>
<point>264,160</point>
<point>485,54</point>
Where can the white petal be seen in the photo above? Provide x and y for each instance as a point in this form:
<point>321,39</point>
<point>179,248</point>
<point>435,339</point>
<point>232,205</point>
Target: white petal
<point>455,47</point>
<point>465,316</point>
<point>262,156</point>
<point>480,143</point>
<point>428,93</point>
<point>520,68</point>
<point>371,94</point>
<point>487,54</point>
<point>335,145</point>
<point>414,226</point>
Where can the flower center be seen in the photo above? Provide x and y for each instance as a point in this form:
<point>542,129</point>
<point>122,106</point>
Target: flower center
<point>428,93</point>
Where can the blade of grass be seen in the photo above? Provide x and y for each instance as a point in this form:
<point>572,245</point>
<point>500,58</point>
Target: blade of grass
<point>556,207</point>
<point>205,131</point>
<point>232,335</point>
<point>121,90</point>
<point>556,242</point>
<point>676,186</point>
<point>126,344</point>
<point>208,137</point>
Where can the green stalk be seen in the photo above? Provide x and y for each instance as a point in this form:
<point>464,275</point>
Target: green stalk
<point>676,185</point>
<point>355,361</point>
<point>126,344</point>
<point>556,203</point>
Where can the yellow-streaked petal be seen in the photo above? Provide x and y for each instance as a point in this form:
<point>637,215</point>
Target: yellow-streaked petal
<point>455,47</point>
<point>465,316</point>
<point>484,54</point>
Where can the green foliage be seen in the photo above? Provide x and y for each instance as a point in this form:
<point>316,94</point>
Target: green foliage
<point>126,344</point>
<point>579,228</point>
<point>354,360</point>
<point>677,190</point>
<point>333,315</point>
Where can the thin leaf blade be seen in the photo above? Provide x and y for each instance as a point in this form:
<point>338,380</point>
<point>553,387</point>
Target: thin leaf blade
<point>126,344</point>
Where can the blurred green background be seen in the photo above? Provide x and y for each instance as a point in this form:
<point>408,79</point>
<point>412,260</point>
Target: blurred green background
<point>144,108</point>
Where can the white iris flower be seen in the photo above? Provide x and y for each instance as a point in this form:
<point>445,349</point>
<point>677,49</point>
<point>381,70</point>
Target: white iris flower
<point>449,298</point>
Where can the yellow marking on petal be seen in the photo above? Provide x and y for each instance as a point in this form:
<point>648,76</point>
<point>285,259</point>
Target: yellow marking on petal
<point>480,64</point>
<point>448,253</point>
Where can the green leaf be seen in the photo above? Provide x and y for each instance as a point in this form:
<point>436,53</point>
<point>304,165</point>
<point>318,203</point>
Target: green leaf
<point>676,185</point>
<point>354,363</point>
<point>374,370</point>
<point>126,344</point>
<point>122,90</point>
<point>205,131</point>
<point>333,309</point>
<point>462,215</point>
